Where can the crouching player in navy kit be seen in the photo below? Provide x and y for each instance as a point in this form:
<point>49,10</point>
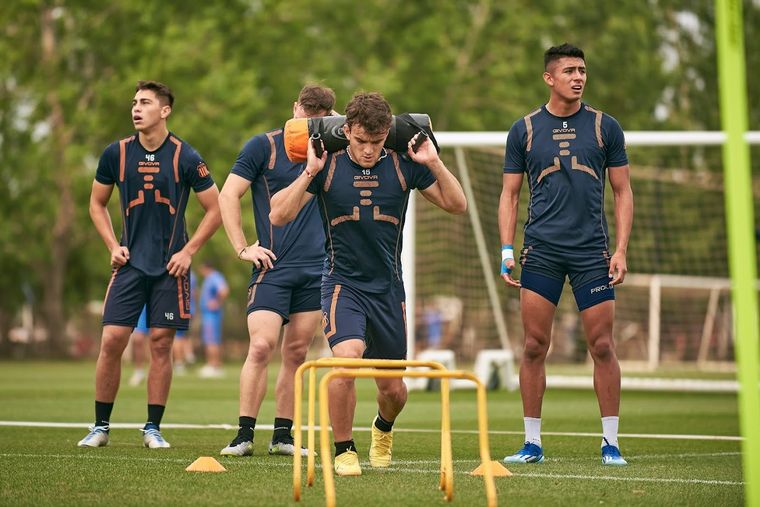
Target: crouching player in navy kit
<point>155,171</point>
<point>362,194</point>
<point>566,148</point>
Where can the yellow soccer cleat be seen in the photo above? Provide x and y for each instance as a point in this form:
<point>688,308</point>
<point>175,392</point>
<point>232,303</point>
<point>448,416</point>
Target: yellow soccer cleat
<point>381,448</point>
<point>347,464</point>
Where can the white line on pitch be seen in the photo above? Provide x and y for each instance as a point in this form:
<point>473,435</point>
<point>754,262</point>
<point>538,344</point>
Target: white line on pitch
<point>395,468</point>
<point>44,424</point>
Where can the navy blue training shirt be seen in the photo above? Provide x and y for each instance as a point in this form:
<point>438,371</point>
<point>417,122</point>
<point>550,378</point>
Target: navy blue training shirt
<point>566,159</point>
<point>264,163</point>
<point>363,212</point>
<point>154,187</point>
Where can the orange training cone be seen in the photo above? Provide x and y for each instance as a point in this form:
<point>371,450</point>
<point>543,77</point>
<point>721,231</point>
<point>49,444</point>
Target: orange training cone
<point>497,469</point>
<point>205,464</point>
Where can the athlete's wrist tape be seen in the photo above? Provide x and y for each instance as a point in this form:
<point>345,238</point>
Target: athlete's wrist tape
<point>507,253</point>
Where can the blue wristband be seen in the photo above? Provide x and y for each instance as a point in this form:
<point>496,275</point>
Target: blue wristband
<point>507,253</point>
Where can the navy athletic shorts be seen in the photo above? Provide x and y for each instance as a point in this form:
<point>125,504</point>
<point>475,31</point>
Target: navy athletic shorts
<point>544,269</point>
<point>167,298</point>
<point>377,319</point>
<point>285,291</point>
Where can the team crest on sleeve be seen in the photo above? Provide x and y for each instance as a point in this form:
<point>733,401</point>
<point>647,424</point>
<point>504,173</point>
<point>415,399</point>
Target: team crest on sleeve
<point>202,170</point>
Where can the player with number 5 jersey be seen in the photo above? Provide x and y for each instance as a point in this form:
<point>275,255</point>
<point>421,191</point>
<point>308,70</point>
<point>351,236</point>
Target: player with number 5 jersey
<point>566,149</point>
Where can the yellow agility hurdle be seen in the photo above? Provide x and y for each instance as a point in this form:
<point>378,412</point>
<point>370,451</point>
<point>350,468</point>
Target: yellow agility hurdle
<point>447,467</point>
<point>327,468</point>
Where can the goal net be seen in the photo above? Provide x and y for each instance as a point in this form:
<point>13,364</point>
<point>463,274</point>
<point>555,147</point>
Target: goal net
<point>674,309</point>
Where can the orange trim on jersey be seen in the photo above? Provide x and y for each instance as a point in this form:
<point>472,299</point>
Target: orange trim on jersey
<point>549,170</point>
<point>273,148</point>
<point>529,127</point>
<point>148,186</point>
<point>581,167</point>
<point>366,184</point>
<point>401,179</point>
<point>136,202</point>
<point>181,299</point>
<point>345,218</point>
<point>123,155</point>
<point>148,177</point>
<point>164,200</point>
<point>333,305</point>
<point>559,137</point>
<point>176,157</point>
<point>597,125</point>
<point>331,170</point>
<point>383,218</point>
<point>108,289</point>
<point>365,202</point>
<point>365,193</point>
<point>148,169</point>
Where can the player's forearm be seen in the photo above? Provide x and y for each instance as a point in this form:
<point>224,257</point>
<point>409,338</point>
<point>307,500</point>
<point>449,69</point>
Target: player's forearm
<point>454,200</point>
<point>102,221</point>
<point>286,203</point>
<point>229,207</point>
<point>508,207</point>
<point>623,218</point>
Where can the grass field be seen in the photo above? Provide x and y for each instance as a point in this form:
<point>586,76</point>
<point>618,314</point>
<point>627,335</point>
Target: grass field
<point>43,466</point>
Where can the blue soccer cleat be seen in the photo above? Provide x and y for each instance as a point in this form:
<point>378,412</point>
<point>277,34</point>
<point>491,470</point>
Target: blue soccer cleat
<point>611,455</point>
<point>530,453</point>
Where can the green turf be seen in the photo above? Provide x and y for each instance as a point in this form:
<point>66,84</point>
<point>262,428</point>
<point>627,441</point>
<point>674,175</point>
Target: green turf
<point>43,466</point>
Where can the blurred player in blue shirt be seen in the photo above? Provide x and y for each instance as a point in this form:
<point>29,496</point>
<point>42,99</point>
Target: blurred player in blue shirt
<point>155,171</point>
<point>566,149</point>
<point>362,193</point>
<point>285,280</point>
<point>214,291</point>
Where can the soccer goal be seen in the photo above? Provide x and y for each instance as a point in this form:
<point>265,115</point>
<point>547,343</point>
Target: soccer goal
<point>674,310</point>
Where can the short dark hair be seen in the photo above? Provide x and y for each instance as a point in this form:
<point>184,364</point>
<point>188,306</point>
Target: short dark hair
<point>371,111</point>
<point>162,91</point>
<point>315,99</point>
<point>562,51</point>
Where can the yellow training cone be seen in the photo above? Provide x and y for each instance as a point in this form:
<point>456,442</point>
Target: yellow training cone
<point>205,464</point>
<point>497,469</point>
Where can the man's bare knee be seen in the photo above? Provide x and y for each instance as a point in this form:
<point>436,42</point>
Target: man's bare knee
<point>535,349</point>
<point>260,351</point>
<point>603,349</point>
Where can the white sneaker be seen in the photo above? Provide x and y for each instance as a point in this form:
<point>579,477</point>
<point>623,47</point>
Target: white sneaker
<point>238,448</point>
<point>97,437</point>
<point>153,439</point>
<point>137,377</point>
<point>285,449</point>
